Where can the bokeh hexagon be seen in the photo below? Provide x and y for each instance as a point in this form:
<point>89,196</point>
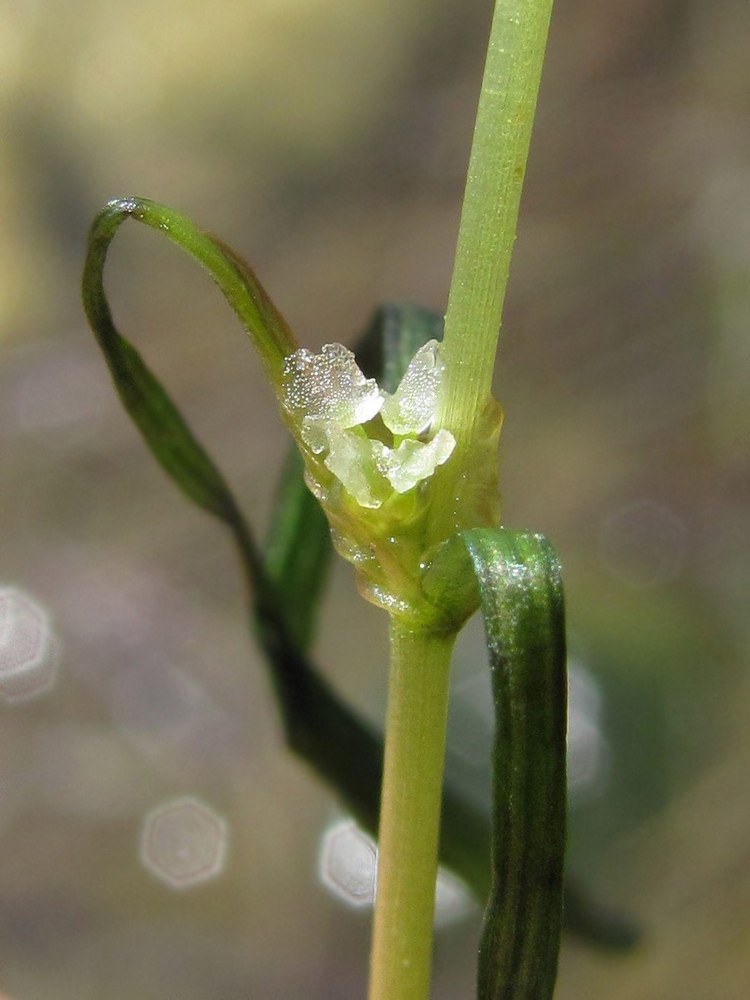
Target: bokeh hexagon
<point>183,843</point>
<point>28,649</point>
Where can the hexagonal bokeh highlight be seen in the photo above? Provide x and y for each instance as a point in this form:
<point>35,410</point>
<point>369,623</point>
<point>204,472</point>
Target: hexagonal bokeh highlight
<point>348,869</point>
<point>183,843</point>
<point>28,649</point>
<point>348,864</point>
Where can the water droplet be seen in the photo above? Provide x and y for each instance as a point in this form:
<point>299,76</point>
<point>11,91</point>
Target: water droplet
<point>183,843</point>
<point>348,869</point>
<point>453,899</point>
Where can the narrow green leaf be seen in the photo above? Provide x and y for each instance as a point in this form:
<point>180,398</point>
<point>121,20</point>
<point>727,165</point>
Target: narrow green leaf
<point>522,604</point>
<point>317,724</point>
<point>162,426</point>
<point>298,550</point>
<point>266,326</point>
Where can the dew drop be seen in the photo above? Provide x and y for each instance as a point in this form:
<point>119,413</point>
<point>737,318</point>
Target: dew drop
<point>588,750</point>
<point>348,869</point>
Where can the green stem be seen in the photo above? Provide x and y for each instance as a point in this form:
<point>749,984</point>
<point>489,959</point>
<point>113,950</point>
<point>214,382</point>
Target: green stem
<point>488,224</point>
<point>410,814</point>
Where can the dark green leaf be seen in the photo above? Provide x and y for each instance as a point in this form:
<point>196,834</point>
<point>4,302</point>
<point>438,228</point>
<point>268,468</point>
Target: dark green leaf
<point>522,605</point>
<point>298,550</point>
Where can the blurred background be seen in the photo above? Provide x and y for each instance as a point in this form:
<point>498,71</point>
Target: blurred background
<point>156,840</point>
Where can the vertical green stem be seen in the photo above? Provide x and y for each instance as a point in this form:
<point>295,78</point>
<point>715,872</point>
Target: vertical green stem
<point>488,227</point>
<point>410,814</point>
<point>493,193</point>
<point>418,687</point>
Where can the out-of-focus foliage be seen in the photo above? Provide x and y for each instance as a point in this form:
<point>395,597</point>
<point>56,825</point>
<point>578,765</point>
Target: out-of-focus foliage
<point>328,142</point>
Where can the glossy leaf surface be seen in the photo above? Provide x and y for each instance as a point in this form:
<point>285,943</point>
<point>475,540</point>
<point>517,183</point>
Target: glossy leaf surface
<point>522,605</point>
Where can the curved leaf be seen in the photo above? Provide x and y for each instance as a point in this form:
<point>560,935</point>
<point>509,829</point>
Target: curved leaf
<point>522,604</point>
<point>264,323</point>
<point>285,582</point>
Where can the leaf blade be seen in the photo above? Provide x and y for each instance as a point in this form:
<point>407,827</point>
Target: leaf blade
<point>522,605</point>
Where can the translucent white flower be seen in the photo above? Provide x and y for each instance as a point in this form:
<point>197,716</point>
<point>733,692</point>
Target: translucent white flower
<point>350,459</point>
<point>331,401</point>
<point>412,461</point>
<point>328,388</point>
<point>412,407</point>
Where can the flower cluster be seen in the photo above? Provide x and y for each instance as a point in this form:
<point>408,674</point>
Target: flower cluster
<point>375,443</point>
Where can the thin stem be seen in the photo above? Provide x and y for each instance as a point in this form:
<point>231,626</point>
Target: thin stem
<point>418,688</point>
<point>488,220</point>
<point>410,814</point>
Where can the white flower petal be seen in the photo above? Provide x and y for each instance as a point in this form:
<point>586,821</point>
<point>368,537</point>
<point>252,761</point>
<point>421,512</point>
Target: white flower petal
<point>350,458</point>
<point>414,461</point>
<point>329,387</point>
<point>330,399</point>
<point>412,407</point>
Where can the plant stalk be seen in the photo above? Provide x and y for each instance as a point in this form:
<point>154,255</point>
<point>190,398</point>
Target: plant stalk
<point>487,231</point>
<point>410,813</point>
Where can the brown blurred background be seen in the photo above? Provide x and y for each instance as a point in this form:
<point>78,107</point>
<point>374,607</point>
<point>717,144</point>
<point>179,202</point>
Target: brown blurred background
<point>327,142</point>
